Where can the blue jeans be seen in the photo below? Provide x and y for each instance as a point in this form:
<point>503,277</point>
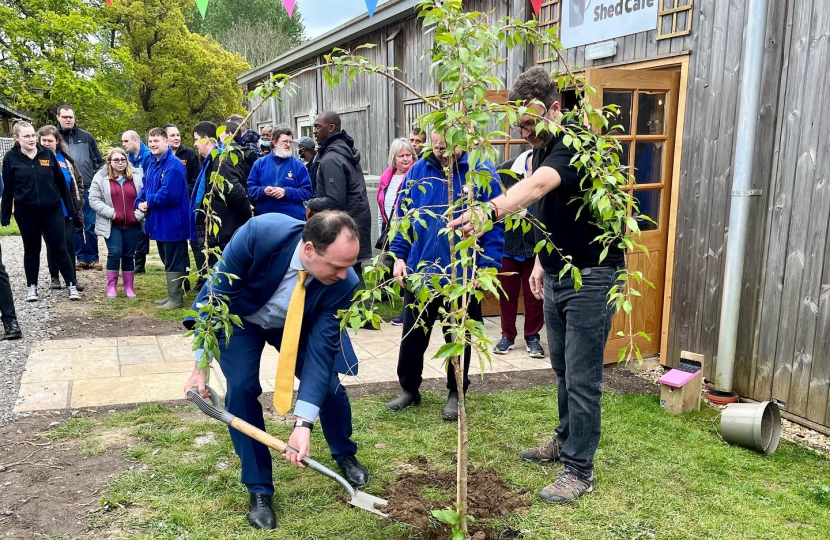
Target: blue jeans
<point>86,243</point>
<point>240,366</point>
<point>121,248</point>
<point>578,324</point>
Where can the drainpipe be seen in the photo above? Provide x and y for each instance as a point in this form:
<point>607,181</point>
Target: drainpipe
<point>273,105</point>
<point>750,96</point>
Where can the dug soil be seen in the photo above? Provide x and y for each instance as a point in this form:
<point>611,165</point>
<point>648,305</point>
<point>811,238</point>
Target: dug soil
<point>489,498</point>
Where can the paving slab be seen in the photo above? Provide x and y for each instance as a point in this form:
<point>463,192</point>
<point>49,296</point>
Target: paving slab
<point>140,369</point>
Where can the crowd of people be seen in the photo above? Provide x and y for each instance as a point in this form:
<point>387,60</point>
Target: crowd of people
<point>294,226</point>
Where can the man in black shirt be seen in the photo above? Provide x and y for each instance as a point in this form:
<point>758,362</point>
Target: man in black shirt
<point>578,322</point>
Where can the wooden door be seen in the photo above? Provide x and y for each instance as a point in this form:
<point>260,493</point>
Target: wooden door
<point>648,114</point>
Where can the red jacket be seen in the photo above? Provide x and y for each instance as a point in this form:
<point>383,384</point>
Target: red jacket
<point>123,200</point>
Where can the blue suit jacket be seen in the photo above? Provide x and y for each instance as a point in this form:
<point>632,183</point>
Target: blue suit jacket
<point>259,254</point>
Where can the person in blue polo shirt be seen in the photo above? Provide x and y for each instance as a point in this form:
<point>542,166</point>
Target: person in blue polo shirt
<point>164,200</point>
<point>279,182</point>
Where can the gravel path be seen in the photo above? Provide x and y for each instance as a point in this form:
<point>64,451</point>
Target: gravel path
<point>34,320</point>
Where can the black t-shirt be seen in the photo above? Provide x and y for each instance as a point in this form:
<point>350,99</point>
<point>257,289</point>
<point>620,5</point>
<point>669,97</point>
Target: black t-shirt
<point>557,211</point>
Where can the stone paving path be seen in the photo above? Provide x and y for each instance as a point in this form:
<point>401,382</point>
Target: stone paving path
<point>77,373</point>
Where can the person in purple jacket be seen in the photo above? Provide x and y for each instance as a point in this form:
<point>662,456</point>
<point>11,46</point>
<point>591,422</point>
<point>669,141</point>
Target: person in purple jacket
<point>279,182</point>
<point>164,200</point>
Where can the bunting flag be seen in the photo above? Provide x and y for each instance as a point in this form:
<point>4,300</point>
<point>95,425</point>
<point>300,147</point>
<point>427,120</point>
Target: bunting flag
<point>109,2</point>
<point>537,5</point>
<point>202,5</point>
<point>371,5</point>
<point>289,6</point>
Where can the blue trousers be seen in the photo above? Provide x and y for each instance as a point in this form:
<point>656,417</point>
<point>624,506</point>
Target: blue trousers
<point>240,366</point>
<point>121,248</point>
<point>86,242</point>
<point>578,323</point>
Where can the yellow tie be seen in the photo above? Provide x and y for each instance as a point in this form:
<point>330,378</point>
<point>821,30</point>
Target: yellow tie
<point>284,383</point>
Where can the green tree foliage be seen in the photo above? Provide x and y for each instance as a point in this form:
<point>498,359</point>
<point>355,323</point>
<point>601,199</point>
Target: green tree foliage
<point>51,53</point>
<point>259,30</point>
<point>180,77</point>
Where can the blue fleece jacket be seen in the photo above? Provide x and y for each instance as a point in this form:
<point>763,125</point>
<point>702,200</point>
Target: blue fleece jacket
<point>288,173</point>
<point>428,244</point>
<point>143,159</point>
<point>165,192</point>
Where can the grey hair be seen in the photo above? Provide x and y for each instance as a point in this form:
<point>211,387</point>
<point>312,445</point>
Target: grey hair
<point>398,145</point>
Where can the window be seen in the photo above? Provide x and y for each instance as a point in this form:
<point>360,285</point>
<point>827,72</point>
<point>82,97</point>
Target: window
<point>674,18</point>
<point>549,15</point>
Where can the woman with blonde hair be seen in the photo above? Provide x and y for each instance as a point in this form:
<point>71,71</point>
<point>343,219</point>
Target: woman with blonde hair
<point>112,195</point>
<point>35,188</point>
<point>51,138</point>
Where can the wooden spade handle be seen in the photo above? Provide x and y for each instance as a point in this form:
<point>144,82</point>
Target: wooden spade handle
<point>258,434</point>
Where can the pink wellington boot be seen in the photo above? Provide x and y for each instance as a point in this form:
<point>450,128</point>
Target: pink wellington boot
<point>129,281</point>
<point>112,284</point>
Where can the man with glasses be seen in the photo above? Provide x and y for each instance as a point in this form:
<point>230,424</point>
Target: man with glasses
<point>279,182</point>
<point>578,322</point>
<point>84,151</point>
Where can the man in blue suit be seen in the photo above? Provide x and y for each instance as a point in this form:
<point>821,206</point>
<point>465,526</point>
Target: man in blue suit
<point>268,254</point>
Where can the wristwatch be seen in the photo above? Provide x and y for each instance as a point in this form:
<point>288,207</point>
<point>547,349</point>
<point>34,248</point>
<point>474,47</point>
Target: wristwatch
<point>305,424</point>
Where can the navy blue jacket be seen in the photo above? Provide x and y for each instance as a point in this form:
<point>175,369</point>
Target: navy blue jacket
<point>259,254</point>
<point>428,243</point>
<point>288,173</point>
<point>165,192</point>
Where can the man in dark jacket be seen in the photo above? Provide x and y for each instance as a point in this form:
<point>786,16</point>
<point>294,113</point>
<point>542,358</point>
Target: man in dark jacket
<point>11,330</point>
<point>233,212</point>
<point>164,201</point>
<point>340,184</point>
<point>84,150</point>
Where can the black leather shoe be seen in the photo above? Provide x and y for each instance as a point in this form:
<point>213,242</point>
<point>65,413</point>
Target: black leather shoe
<point>450,412</point>
<point>353,471</point>
<point>11,329</point>
<point>406,399</point>
<point>260,513</point>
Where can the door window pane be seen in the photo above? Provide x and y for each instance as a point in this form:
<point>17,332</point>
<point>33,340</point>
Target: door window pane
<point>624,100</point>
<point>651,113</point>
<point>649,162</point>
<point>648,204</point>
<point>625,157</point>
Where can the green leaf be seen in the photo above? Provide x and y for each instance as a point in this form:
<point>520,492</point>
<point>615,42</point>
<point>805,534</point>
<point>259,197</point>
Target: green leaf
<point>450,517</point>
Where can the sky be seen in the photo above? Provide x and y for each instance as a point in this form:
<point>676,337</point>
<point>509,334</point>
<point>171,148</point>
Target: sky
<point>321,16</point>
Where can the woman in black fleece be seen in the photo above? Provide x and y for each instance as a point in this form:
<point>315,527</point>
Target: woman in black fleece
<point>36,186</point>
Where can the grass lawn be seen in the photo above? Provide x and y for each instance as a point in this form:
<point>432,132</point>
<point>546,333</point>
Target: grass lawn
<point>11,230</point>
<point>657,475</point>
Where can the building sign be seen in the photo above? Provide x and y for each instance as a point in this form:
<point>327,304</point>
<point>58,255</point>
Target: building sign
<point>589,21</point>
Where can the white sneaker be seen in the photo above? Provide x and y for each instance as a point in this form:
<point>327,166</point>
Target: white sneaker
<point>73,292</point>
<point>31,294</point>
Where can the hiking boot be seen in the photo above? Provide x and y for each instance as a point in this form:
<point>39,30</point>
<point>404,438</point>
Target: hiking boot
<point>397,321</point>
<point>406,399</point>
<point>55,284</point>
<point>96,266</point>
<point>546,453</point>
<point>503,346</point>
<point>31,293</point>
<point>73,292</point>
<point>11,328</point>
<point>534,347</point>
<point>450,410</point>
<point>81,265</point>
<point>567,488</point>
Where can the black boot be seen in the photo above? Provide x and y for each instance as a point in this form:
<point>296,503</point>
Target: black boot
<point>406,399</point>
<point>140,261</point>
<point>11,328</point>
<point>260,513</point>
<point>450,412</point>
<point>355,473</point>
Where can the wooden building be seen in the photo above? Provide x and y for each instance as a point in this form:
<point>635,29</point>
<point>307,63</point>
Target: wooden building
<point>674,66</point>
<point>7,118</point>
